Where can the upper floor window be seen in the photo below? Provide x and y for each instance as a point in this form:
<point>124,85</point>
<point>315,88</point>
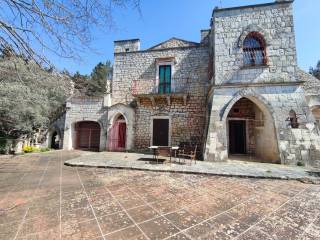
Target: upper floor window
<point>164,79</point>
<point>254,50</point>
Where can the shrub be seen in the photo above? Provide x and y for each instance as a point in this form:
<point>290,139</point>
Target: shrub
<point>45,149</point>
<point>300,164</point>
<point>30,149</point>
<point>3,146</point>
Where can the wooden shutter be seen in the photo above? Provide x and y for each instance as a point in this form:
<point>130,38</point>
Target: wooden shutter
<point>164,79</point>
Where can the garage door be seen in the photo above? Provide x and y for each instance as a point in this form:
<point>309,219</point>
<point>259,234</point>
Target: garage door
<point>88,136</point>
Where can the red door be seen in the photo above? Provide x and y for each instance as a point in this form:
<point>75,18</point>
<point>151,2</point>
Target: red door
<point>117,137</point>
<point>122,135</point>
<point>88,135</point>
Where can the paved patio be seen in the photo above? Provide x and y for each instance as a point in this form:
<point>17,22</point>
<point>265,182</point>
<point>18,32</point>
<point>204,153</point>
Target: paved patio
<point>136,161</point>
<point>41,198</point>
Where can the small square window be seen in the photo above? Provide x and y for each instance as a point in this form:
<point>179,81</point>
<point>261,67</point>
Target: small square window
<point>127,49</point>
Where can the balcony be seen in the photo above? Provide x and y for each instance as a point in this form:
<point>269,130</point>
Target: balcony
<point>149,88</point>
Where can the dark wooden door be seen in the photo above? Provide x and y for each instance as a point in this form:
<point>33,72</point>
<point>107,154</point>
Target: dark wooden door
<point>88,135</point>
<point>237,137</point>
<point>160,132</point>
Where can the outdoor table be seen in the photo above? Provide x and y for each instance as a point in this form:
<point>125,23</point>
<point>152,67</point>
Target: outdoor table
<point>175,149</point>
<point>154,148</point>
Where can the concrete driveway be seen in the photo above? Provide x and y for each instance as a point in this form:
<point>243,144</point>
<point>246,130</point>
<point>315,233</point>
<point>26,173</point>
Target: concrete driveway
<point>40,198</point>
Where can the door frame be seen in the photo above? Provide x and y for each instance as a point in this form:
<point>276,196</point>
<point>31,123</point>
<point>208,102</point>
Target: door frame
<point>151,128</point>
<point>247,133</point>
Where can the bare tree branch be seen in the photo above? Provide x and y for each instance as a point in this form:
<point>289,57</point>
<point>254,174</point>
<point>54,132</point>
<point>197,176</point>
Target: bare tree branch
<point>33,28</point>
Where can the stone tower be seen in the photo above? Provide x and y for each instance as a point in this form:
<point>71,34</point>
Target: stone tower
<point>257,104</point>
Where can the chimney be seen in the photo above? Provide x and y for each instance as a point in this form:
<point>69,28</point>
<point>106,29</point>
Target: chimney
<point>125,46</point>
<point>205,36</point>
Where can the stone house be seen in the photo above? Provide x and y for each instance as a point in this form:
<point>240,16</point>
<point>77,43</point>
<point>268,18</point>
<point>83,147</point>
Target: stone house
<point>238,91</point>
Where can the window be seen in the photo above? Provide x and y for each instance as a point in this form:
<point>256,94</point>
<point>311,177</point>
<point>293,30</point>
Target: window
<point>164,79</point>
<point>254,51</point>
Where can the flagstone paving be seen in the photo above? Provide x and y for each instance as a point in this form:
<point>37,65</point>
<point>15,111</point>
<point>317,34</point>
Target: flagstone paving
<point>232,168</point>
<point>41,198</point>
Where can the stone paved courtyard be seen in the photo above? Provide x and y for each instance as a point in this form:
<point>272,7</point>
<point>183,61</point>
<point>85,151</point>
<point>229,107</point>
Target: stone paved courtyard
<point>40,198</point>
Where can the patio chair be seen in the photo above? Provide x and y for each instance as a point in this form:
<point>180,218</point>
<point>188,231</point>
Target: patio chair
<point>188,151</point>
<point>164,151</point>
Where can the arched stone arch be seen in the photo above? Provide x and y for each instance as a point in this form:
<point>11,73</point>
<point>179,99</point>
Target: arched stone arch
<point>249,93</point>
<point>52,130</point>
<point>260,136</point>
<point>128,113</point>
<point>254,28</point>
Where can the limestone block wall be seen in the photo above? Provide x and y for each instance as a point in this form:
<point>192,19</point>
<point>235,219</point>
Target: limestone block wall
<point>84,109</point>
<point>190,67</point>
<point>291,145</point>
<point>229,29</point>
<point>187,121</point>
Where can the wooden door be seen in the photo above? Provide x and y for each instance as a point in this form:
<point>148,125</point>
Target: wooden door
<point>117,137</point>
<point>122,135</point>
<point>160,132</point>
<point>88,135</point>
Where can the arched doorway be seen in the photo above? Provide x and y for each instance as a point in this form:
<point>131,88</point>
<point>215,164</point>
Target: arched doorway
<point>251,133</point>
<point>55,141</point>
<point>118,134</point>
<point>87,135</point>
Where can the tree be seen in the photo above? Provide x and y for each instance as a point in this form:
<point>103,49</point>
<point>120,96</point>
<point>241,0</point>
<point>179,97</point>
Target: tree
<point>98,83</point>
<point>316,71</point>
<point>81,83</point>
<point>32,28</point>
<point>30,96</point>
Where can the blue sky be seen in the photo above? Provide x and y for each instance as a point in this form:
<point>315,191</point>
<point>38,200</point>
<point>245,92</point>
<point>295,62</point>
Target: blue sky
<point>164,19</point>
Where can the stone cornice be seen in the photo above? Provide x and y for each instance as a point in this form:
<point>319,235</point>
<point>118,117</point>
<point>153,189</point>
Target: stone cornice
<point>243,85</point>
<point>216,10</point>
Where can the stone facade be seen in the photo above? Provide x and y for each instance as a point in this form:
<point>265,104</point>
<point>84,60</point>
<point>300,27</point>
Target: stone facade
<point>135,84</point>
<point>211,87</point>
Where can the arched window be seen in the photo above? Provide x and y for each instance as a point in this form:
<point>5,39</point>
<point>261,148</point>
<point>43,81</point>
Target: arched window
<point>254,50</point>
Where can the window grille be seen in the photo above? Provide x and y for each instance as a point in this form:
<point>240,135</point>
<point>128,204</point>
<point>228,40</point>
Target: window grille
<point>254,50</point>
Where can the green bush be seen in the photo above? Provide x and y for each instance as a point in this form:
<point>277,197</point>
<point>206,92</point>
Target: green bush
<point>45,149</point>
<point>4,145</point>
